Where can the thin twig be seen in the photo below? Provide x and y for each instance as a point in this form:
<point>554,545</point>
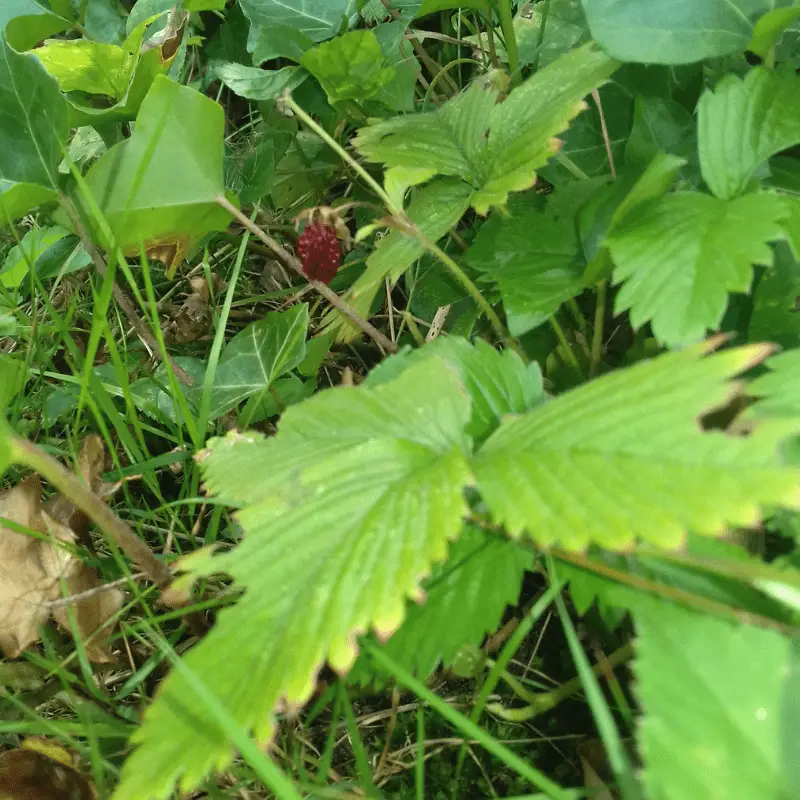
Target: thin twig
<point>604,131</point>
<point>123,301</point>
<point>72,487</point>
<point>294,264</point>
<point>79,598</point>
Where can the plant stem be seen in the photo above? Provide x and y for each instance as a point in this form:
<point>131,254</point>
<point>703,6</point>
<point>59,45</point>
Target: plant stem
<point>444,71</point>
<point>540,38</point>
<point>294,264</point>
<point>571,166</point>
<point>72,488</point>
<point>569,356</point>
<point>597,334</point>
<point>464,280</point>
<point>334,145</point>
<point>506,16</point>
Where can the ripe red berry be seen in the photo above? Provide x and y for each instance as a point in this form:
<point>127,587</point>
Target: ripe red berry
<point>320,252</point>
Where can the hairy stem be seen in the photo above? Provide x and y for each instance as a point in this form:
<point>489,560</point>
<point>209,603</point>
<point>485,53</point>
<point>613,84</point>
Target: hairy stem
<point>73,489</point>
<point>294,264</point>
<point>540,38</point>
<point>569,356</point>
<point>597,334</point>
<point>506,16</point>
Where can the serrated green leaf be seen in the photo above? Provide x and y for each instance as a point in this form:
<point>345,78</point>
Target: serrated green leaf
<point>435,210</point>
<point>660,125</point>
<point>498,383</point>
<point>343,511</point>
<point>654,32</point>
<point>33,128</point>
<point>453,140</point>
<point>779,389</point>
<point>27,22</point>
<point>317,19</point>
<point>720,706</point>
<point>349,67</point>
<point>178,132</point>
<point>680,256</point>
<point>398,93</point>
<point>465,598</point>
<point>256,356</point>
<point>622,458</point>
<point>534,254</point>
<point>253,83</point>
<point>742,123</point>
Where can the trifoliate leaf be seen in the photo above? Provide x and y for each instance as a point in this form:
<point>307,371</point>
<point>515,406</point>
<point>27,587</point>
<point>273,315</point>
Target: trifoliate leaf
<point>623,458</point>
<point>465,598</point>
<point>534,255</point>
<point>719,706</point>
<point>744,121</point>
<point>498,383</point>
<point>159,188</point>
<point>496,148</point>
<point>678,257</point>
<point>344,511</point>
<point>349,67</point>
<point>33,128</point>
<point>435,210</point>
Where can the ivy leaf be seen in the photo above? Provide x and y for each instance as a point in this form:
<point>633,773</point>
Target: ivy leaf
<point>465,598</point>
<point>653,32</point>
<point>27,22</point>
<point>622,458</point>
<point>719,701</point>
<point>253,83</point>
<point>317,19</point>
<point>496,148</point>
<point>256,356</point>
<point>178,132</point>
<point>498,383</point>
<point>534,254</point>
<point>742,123</point>
<point>33,127</point>
<point>343,512</point>
<point>349,67</point>
<point>678,257</point>
<point>435,210</point>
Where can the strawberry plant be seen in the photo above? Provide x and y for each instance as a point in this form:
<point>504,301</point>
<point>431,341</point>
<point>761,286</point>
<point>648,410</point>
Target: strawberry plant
<point>399,398</point>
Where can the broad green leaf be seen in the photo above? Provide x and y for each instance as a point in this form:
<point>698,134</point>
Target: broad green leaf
<point>91,67</point>
<point>720,706</point>
<point>258,84</point>
<point>343,511</point>
<point>277,41</point>
<point>179,132</point>
<point>680,256</point>
<point>398,93</point>
<point>435,210</point>
<point>24,255</point>
<point>256,356</point>
<point>498,383</point>
<point>774,318</point>
<point>654,32</point>
<point>534,254</point>
<point>623,458</point>
<point>317,19</point>
<point>426,7</point>
<point>779,389</point>
<point>660,125</point>
<point>33,128</point>
<point>744,122</point>
<point>349,67</point>
<point>104,21</point>
<point>453,140</point>
<point>27,22</point>
<point>465,598</point>
<point>250,167</point>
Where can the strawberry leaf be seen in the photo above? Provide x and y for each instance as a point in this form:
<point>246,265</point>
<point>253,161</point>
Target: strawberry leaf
<point>680,256</point>
<point>343,512</point>
<point>744,121</point>
<point>622,458</point>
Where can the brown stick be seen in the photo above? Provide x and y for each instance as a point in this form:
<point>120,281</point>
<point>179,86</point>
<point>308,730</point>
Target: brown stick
<point>71,487</point>
<point>294,264</point>
<point>123,301</point>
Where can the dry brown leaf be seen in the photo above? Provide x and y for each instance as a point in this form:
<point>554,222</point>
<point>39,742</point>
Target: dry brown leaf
<point>41,770</point>
<point>192,320</point>
<point>33,568</point>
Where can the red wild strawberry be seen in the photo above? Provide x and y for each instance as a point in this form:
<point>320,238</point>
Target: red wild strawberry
<point>320,252</point>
